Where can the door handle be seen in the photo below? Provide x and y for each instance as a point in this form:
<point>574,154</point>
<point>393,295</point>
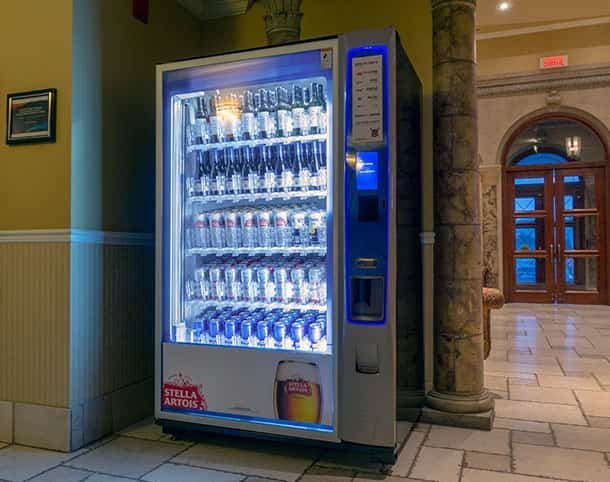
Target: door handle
<point>552,250</point>
<point>558,249</point>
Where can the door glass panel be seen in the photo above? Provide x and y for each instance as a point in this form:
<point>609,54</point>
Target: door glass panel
<point>529,234</point>
<point>530,273</point>
<point>529,194</point>
<point>580,232</point>
<point>579,192</point>
<point>581,273</point>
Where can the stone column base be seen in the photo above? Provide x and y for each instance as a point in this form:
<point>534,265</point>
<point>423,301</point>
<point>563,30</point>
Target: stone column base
<point>475,411</point>
<point>478,421</point>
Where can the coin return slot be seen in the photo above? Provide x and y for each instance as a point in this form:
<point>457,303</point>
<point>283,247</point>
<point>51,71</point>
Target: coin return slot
<point>366,298</point>
<point>367,358</point>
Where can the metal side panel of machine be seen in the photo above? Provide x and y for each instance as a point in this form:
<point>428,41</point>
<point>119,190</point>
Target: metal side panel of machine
<point>368,356</point>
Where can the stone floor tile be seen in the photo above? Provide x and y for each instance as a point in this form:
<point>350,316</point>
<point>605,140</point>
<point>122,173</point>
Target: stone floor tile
<point>441,465</point>
<point>596,404</point>
<point>542,394</point>
<point>494,441</point>
<point>588,438</point>
<point>421,427</point>
<point>366,477</point>
<point>327,474</point>
<point>530,381</point>
<point>561,463</point>
<point>183,473</point>
<point>249,457</point>
<point>522,425</point>
<point>540,412</point>
<point>128,457</point>
<point>513,369</point>
<point>574,383</point>
<point>603,377</point>
<point>19,463</point>
<point>145,429</point>
<point>3,445</point>
<point>493,382</point>
<point>107,478</point>
<point>407,455</point>
<point>476,460</point>
<point>499,394</point>
<point>62,474</point>
<point>585,365</point>
<point>533,438</point>
<point>599,422</point>
<point>471,475</point>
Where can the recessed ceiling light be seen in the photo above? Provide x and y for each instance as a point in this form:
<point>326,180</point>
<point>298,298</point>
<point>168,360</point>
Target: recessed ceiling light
<point>504,6</point>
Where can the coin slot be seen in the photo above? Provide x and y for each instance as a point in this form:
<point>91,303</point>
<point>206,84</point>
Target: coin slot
<point>367,263</point>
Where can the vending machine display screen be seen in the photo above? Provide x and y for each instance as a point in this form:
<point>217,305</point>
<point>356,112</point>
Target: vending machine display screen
<point>367,171</point>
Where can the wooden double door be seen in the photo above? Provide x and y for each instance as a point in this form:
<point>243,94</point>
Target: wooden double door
<point>555,235</point>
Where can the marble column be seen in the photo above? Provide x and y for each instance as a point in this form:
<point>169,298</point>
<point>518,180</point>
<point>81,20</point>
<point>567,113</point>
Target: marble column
<point>459,397</point>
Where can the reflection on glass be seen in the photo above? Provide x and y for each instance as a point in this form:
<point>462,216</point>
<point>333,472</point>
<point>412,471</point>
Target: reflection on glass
<point>579,192</point>
<point>581,273</point>
<point>530,273</point>
<point>529,234</point>
<point>529,194</point>
<point>580,232</point>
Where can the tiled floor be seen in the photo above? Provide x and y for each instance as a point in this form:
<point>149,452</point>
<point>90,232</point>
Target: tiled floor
<point>549,370</point>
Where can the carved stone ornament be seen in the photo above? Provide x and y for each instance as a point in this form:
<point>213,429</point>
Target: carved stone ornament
<point>553,98</point>
<point>283,21</point>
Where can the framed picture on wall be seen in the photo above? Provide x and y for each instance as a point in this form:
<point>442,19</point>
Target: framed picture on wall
<point>31,116</point>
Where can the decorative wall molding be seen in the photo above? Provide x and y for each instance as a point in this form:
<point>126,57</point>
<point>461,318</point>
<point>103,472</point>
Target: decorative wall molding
<point>588,22</point>
<point>210,9</point>
<point>87,236</point>
<point>570,78</point>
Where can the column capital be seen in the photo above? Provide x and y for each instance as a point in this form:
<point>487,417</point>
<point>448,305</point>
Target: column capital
<point>282,21</point>
<point>443,3</point>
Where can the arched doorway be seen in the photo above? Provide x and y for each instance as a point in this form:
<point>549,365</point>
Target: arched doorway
<point>555,212</point>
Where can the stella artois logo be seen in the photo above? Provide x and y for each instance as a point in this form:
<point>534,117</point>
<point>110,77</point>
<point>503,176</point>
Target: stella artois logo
<point>301,387</point>
<point>180,392</point>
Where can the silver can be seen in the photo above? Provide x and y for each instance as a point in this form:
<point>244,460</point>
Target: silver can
<point>232,283</point>
<point>300,285</point>
<point>298,224</point>
<point>250,283</point>
<point>283,285</point>
<point>249,229</point>
<point>265,228</point>
<point>283,232</point>
<point>266,284</point>
<point>317,228</point>
<point>217,230</point>
<point>217,284</point>
<point>201,231</point>
<point>314,276</point>
<point>233,229</point>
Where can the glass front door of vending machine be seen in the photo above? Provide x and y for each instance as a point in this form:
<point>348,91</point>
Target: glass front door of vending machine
<point>246,329</point>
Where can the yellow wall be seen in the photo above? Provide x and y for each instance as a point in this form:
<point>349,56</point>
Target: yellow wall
<point>35,53</point>
<point>516,54</point>
<point>412,19</point>
<point>114,81</point>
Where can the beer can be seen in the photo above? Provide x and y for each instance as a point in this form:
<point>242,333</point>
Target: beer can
<point>246,330</point>
<point>262,331</point>
<point>266,284</point>
<point>283,286</point>
<point>317,228</point>
<point>300,285</point>
<point>214,327</point>
<point>217,230</point>
<point>232,283</point>
<point>279,332</point>
<point>297,333</point>
<point>250,284</point>
<point>233,231</point>
<point>229,329</point>
<point>265,229</point>
<point>282,229</point>
<point>201,231</point>
<point>316,332</point>
<point>249,229</point>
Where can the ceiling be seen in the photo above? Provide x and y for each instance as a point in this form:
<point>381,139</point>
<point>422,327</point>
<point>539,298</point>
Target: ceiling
<point>529,13</point>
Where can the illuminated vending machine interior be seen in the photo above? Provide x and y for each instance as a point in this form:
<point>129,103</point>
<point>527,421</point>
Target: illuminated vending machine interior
<point>277,240</point>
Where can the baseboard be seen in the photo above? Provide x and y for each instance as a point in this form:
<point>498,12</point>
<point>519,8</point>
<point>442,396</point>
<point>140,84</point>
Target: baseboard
<point>87,236</point>
<point>68,429</point>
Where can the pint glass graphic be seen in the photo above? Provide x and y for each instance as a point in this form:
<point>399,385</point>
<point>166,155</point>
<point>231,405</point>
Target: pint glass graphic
<point>298,394</point>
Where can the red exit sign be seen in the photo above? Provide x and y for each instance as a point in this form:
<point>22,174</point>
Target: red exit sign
<point>553,62</point>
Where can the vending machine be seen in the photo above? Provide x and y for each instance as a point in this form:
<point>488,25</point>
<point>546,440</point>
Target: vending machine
<point>278,236</point>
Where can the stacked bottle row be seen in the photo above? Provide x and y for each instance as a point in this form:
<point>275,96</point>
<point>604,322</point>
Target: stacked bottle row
<point>274,280</point>
<point>297,110</point>
<point>294,329</point>
<point>299,166</point>
<point>282,226</point>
